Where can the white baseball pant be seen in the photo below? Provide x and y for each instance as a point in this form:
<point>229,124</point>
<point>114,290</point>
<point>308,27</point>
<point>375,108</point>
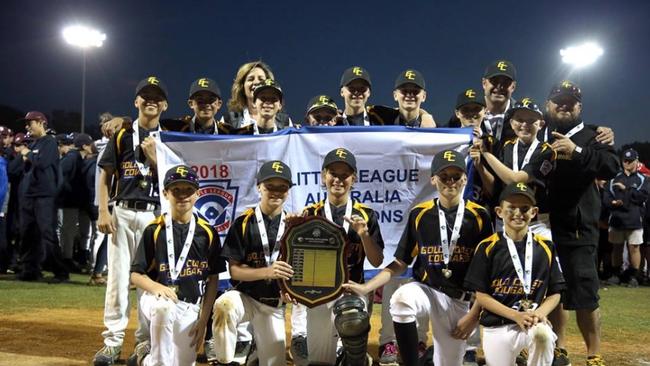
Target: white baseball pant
<point>387,331</point>
<point>234,307</point>
<point>170,328</point>
<point>129,226</point>
<point>298,320</point>
<point>502,344</point>
<point>415,300</point>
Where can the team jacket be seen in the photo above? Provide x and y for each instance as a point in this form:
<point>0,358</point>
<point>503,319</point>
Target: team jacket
<point>356,254</point>
<point>41,177</point>
<point>420,241</point>
<point>492,272</point>
<point>630,215</point>
<point>119,155</point>
<point>243,244</point>
<point>573,197</point>
<point>73,185</point>
<point>203,259</point>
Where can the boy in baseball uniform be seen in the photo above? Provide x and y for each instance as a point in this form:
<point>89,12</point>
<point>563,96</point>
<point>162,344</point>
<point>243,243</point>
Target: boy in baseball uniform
<point>252,247</point>
<point>518,281</point>
<point>177,264</point>
<point>440,236</point>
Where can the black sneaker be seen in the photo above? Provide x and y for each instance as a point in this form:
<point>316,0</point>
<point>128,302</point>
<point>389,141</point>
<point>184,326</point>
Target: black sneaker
<point>242,349</point>
<point>560,357</point>
<point>58,279</point>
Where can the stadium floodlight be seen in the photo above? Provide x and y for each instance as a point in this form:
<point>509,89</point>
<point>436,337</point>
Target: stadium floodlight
<point>582,55</point>
<point>83,37</point>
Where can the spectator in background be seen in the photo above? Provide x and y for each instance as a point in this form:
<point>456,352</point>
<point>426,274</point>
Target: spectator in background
<point>4,198</point>
<point>625,197</point>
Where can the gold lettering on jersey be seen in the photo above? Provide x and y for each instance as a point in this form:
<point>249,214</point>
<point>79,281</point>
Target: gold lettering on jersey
<point>357,71</point>
<point>512,286</point>
<point>434,254</point>
<point>502,66</point>
<point>129,169</point>
<point>153,80</point>
<point>449,156</point>
<point>410,75</point>
<point>203,82</point>
<point>470,93</point>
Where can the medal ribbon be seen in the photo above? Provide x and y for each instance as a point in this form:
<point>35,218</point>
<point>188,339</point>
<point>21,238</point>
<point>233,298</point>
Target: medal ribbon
<point>448,245</point>
<point>348,213</point>
<point>176,267</point>
<point>529,154</point>
<point>524,274</point>
<point>270,257</point>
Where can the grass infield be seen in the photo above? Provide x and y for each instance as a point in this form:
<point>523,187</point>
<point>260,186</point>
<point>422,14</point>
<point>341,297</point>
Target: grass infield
<point>61,324</point>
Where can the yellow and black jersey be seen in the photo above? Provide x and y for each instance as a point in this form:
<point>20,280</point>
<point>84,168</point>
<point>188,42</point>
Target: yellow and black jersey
<point>421,242</point>
<point>204,258</point>
<point>244,245</point>
<point>356,254</point>
<point>120,156</point>
<point>493,273</point>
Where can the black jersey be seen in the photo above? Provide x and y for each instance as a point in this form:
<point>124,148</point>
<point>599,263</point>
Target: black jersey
<point>203,259</point>
<point>540,167</point>
<point>492,272</point>
<point>41,169</point>
<point>421,241</point>
<point>244,245</point>
<point>120,156</point>
<point>356,254</point>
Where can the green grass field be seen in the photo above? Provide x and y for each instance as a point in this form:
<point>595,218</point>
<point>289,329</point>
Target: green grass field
<point>33,315</point>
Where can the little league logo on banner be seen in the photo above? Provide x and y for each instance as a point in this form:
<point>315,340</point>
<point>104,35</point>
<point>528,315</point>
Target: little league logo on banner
<point>393,162</point>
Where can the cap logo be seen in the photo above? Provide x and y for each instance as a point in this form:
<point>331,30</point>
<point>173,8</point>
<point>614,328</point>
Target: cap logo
<point>153,80</point>
<point>277,166</point>
<point>341,153</point>
<point>566,84</point>
<point>449,156</point>
<point>203,82</point>
<point>357,71</point>
<point>410,75</point>
<point>522,187</point>
<point>182,171</point>
<point>525,102</point>
<point>323,99</point>
<point>502,66</point>
<point>470,93</point>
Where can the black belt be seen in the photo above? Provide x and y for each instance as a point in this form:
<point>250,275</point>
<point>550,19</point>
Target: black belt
<point>138,205</point>
<point>270,301</point>
<point>454,293</point>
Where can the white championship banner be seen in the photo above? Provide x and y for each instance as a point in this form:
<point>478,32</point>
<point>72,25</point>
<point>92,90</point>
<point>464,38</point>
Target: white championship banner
<point>393,162</point>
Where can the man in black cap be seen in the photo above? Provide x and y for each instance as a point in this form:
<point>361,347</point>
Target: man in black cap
<point>129,158</point>
<point>38,191</point>
<point>499,82</point>
<point>625,196</point>
<point>574,205</point>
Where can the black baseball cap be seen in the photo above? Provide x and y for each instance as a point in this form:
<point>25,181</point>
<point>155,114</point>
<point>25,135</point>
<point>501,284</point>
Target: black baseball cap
<point>321,101</point>
<point>274,169</point>
<point>520,189</point>
<point>65,138</point>
<point>354,73</point>
<point>19,139</point>
<point>446,159</point>
<point>410,76</point>
<point>501,67</point>
<point>205,84</point>
<point>566,88</point>
<point>5,131</point>
<point>630,154</point>
<point>340,155</point>
<point>526,103</point>
<point>82,139</point>
<point>181,173</point>
<point>469,96</point>
<point>151,82</point>
<point>268,84</point>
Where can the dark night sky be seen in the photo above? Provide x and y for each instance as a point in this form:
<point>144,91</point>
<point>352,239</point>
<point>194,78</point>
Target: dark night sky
<point>309,43</point>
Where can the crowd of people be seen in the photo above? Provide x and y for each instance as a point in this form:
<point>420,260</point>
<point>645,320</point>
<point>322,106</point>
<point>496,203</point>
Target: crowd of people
<point>532,186</point>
